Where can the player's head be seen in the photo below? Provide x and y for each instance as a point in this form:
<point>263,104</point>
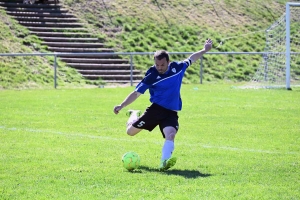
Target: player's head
<point>161,59</point>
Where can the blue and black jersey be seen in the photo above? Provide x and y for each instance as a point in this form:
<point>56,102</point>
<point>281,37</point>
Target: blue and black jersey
<point>164,88</point>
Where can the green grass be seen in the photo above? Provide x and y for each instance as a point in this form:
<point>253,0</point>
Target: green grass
<point>232,144</point>
<point>145,26</point>
<point>21,72</point>
<point>183,26</point>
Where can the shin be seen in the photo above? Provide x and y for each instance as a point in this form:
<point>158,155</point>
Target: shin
<point>168,146</point>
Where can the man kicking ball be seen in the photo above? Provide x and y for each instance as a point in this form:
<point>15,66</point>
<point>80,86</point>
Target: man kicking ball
<point>164,81</point>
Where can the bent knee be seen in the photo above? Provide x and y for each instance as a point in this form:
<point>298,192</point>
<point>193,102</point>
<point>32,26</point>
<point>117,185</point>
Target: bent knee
<point>132,131</point>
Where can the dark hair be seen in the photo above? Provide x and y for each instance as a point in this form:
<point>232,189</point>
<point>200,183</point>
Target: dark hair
<point>160,54</point>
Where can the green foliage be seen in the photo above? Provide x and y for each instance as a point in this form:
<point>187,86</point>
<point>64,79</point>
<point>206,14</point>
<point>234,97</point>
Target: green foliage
<point>162,30</point>
<point>31,71</point>
<point>146,27</point>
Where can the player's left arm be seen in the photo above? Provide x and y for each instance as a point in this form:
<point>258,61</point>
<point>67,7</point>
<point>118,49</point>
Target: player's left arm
<point>197,55</point>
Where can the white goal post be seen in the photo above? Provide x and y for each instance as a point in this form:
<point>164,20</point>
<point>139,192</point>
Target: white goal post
<point>288,43</point>
<point>281,59</point>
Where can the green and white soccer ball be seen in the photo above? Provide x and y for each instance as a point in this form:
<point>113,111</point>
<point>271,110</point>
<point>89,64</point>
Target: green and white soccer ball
<point>131,161</point>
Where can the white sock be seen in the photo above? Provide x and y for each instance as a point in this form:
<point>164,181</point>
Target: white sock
<point>167,149</point>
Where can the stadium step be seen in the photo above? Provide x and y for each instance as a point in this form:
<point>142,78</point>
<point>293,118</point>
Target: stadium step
<point>112,77</point>
<point>109,72</point>
<point>94,55</point>
<point>93,60</point>
<point>93,66</point>
<point>74,44</point>
<point>66,35</point>
<point>78,50</point>
<point>69,39</point>
<point>63,33</point>
<point>18,4</point>
<point>45,19</point>
<point>37,1</point>
<point>40,14</point>
<point>56,30</point>
<point>16,1</point>
<point>121,81</point>
<point>36,10</point>
<point>49,24</point>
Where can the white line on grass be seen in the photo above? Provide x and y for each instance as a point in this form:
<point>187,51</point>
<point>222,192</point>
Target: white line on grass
<point>61,133</point>
<point>131,140</point>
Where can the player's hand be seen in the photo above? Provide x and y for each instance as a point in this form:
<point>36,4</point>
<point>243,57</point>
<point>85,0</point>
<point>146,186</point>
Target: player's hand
<point>117,109</point>
<point>208,44</point>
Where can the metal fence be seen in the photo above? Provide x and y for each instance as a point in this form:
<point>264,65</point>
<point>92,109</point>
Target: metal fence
<point>131,55</point>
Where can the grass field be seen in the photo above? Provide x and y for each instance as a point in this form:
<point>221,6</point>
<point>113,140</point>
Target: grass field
<point>232,144</point>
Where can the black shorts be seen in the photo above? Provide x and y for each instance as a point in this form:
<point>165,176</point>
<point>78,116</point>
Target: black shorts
<point>157,115</point>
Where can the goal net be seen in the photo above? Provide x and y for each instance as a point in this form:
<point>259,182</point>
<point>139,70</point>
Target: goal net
<point>280,66</point>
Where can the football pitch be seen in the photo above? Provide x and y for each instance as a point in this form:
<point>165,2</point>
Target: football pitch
<point>232,144</point>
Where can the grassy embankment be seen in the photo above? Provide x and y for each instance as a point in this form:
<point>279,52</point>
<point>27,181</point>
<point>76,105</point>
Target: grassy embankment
<point>145,26</point>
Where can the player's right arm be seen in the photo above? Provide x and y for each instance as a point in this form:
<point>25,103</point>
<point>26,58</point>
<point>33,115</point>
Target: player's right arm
<point>140,89</point>
<point>128,100</point>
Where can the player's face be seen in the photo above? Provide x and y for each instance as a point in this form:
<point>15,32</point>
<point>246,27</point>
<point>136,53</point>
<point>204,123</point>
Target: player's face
<point>161,65</point>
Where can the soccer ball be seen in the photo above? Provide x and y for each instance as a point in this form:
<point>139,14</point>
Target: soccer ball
<point>131,160</point>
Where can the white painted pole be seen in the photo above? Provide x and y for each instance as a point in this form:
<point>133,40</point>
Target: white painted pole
<point>288,47</point>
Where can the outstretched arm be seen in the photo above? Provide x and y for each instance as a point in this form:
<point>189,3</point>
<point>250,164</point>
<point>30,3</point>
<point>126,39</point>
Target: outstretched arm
<point>128,100</point>
<point>197,55</point>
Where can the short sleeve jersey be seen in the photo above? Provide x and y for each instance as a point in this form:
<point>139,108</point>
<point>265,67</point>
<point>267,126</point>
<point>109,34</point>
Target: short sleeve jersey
<point>164,88</point>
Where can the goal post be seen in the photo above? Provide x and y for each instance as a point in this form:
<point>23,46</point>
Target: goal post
<point>280,66</point>
<point>288,43</point>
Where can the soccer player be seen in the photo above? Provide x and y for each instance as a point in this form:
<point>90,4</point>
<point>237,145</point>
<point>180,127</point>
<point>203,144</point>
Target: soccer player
<point>163,80</point>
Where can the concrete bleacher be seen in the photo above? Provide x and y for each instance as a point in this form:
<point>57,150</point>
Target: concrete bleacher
<point>62,32</point>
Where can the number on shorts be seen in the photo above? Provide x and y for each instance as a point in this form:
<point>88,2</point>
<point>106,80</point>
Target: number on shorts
<point>141,124</point>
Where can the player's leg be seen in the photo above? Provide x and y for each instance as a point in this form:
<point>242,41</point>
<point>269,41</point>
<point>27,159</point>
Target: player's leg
<point>133,117</point>
<point>148,121</point>
<point>167,161</point>
<point>168,146</point>
<point>169,129</point>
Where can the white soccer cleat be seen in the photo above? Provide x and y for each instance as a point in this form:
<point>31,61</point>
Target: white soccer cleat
<point>167,164</point>
<point>130,112</point>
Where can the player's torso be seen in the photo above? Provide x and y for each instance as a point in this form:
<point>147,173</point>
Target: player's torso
<point>168,83</point>
<point>173,75</point>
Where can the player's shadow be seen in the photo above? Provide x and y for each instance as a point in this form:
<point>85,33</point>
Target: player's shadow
<point>184,173</point>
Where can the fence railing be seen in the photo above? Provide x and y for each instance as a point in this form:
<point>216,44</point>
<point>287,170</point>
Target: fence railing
<point>131,54</point>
